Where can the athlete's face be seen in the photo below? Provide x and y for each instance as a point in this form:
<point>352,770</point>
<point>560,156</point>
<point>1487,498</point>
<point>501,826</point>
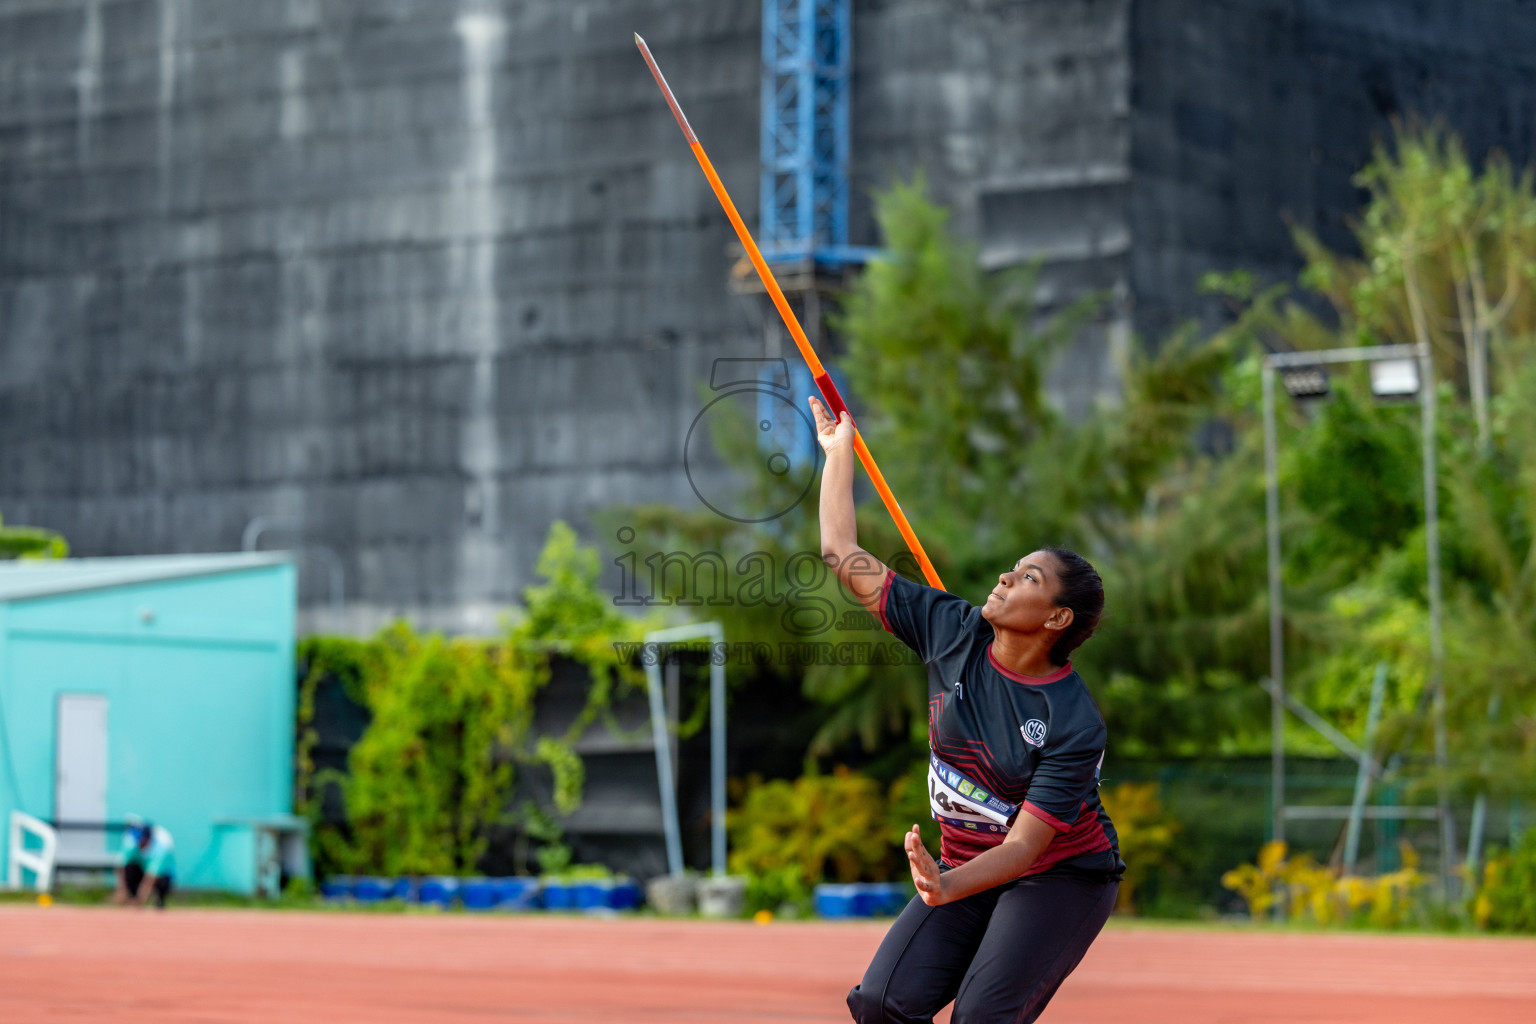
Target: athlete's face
<point>1024,599</point>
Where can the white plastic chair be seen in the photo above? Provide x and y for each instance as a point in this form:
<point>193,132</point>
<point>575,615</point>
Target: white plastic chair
<point>40,861</point>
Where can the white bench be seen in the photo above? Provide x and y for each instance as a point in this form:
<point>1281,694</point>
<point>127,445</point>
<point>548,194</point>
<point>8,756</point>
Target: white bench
<point>21,858</point>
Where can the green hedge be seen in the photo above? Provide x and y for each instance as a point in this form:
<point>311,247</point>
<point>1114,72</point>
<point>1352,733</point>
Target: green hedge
<point>452,725</point>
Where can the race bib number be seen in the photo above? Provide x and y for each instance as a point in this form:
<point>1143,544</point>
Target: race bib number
<point>956,799</point>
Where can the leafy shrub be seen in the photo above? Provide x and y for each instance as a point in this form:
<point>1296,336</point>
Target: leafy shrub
<point>426,778</point>
<point>812,826</point>
<point>1505,897</point>
<point>1146,835</point>
<point>574,873</point>
<point>31,542</point>
<point>1303,889</point>
<point>909,805</point>
<point>781,890</point>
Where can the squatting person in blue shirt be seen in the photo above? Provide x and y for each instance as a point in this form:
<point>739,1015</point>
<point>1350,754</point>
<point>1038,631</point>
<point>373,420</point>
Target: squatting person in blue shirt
<point>148,865</point>
<point>1029,862</point>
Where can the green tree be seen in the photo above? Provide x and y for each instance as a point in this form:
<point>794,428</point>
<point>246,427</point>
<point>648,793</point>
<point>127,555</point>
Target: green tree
<point>955,363</point>
<point>952,363</point>
<point>1448,258</point>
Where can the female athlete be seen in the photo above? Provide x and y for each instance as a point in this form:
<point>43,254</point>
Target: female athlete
<point>1029,863</point>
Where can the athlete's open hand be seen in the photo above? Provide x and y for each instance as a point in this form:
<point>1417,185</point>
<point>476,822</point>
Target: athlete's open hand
<point>925,870</point>
<point>834,435</point>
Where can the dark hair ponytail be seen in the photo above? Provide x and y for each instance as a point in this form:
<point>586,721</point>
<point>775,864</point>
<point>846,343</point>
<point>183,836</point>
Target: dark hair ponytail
<point>1081,590</point>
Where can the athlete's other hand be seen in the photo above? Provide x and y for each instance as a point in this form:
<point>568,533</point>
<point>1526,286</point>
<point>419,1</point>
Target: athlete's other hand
<point>833,435</point>
<point>925,870</point>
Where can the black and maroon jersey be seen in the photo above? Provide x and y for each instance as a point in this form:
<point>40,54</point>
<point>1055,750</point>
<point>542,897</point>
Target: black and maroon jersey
<point>1001,742</point>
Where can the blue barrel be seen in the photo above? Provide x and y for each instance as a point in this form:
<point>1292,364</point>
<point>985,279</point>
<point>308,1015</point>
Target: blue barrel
<point>478,894</point>
<point>437,891</point>
<point>591,894</point>
<point>337,887</point>
<point>879,899</point>
<point>625,894</point>
<point>896,899</point>
<point>835,901</point>
<point>516,893</point>
<point>370,889</point>
<point>559,896</point>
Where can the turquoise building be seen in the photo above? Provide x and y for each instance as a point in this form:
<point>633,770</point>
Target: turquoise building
<point>157,686</point>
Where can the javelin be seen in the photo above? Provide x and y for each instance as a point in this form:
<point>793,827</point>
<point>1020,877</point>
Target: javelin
<point>829,392</point>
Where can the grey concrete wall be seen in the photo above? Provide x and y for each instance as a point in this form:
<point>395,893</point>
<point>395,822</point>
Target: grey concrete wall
<point>427,274</point>
<point>1018,115</point>
<point>432,273</point>
<point>1252,112</point>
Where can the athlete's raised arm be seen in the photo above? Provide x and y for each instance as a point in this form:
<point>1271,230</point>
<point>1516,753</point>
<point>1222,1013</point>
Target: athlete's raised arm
<point>858,570</point>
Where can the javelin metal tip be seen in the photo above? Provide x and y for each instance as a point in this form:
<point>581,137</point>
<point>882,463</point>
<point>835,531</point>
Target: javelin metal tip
<point>666,90</point>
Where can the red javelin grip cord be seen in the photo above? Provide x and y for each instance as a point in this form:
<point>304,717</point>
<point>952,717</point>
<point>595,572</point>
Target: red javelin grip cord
<point>833,399</point>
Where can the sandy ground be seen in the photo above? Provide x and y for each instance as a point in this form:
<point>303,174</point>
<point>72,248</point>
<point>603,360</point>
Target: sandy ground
<point>86,964</point>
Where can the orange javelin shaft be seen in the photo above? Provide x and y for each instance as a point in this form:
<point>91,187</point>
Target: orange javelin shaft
<point>829,391</point>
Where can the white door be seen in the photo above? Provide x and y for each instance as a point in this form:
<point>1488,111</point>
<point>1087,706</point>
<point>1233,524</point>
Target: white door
<point>80,778</point>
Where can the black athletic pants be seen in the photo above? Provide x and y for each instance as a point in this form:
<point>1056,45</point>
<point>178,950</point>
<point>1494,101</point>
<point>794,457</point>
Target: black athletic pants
<point>999,954</point>
<point>133,877</point>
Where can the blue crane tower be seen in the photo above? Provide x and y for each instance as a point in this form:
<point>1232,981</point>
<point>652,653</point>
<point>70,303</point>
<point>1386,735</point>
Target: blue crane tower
<point>804,192</point>
<point>803,217</point>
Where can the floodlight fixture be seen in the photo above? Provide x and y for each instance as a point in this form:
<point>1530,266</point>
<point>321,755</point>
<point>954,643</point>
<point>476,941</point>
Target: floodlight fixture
<point>1395,378</point>
<point>1305,381</point>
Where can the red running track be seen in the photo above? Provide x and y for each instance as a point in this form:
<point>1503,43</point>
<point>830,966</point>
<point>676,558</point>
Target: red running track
<point>88,964</point>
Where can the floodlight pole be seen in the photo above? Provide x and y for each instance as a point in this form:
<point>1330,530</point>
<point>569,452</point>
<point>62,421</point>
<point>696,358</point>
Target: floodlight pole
<point>714,633</point>
<point>1427,403</point>
<point>1436,637</point>
<point>1276,636</point>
